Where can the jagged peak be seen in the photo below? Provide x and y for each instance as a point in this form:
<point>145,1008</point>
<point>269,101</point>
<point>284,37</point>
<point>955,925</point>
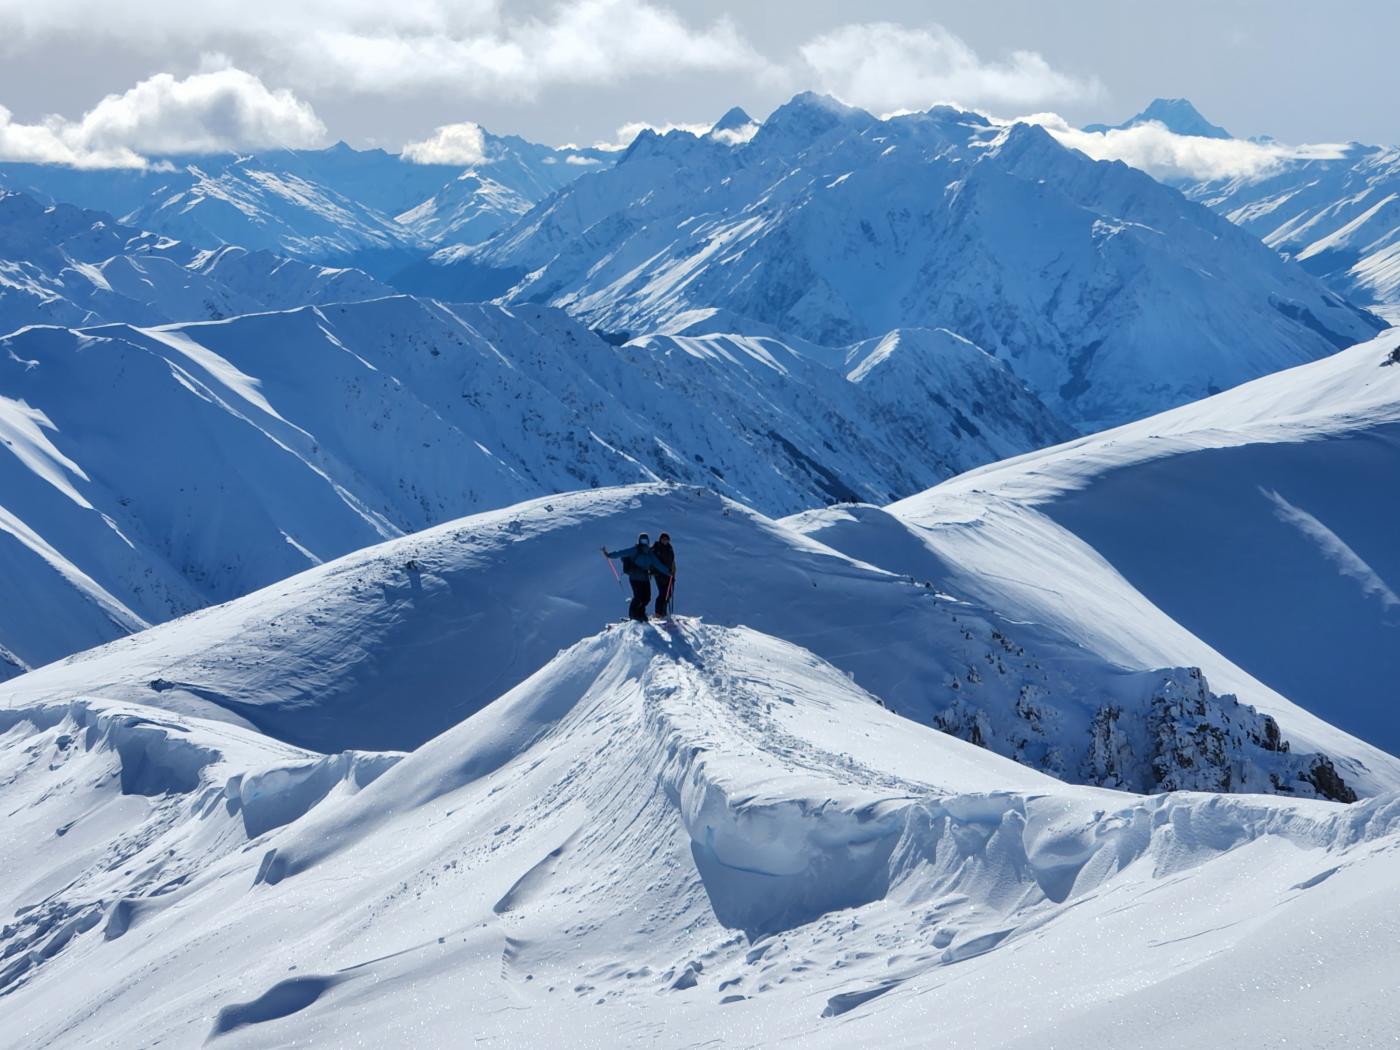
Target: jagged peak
<point>735,118</point>
<point>1178,115</point>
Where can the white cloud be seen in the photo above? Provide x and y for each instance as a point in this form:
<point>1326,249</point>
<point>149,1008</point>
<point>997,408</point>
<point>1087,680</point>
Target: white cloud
<point>581,161</point>
<point>466,47</point>
<point>584,42</point>
<point>450,144</point>
<point>883,66</point>
<point>221,110</point>
<point>1166,155</point>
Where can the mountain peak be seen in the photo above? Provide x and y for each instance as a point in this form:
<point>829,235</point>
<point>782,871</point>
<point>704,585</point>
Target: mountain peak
<point>808,114</point>
<point>734,119</point>
<point>1176,114</point>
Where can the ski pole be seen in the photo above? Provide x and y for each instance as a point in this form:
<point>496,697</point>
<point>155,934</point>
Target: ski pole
<point>671,592</point>
<point>614,570</point>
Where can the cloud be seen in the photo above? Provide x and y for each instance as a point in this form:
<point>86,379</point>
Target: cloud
<point>450,144</point>
<point>583,42</point>
<point>1162,153</point>
<point>465,47</point>
<point>882,66</point>
<point>222,110</point>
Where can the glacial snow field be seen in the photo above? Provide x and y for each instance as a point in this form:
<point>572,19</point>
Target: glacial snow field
<point>1108,293</point>
<point>665,838</point>
<point>149,471</point>
<point>1259,523</point>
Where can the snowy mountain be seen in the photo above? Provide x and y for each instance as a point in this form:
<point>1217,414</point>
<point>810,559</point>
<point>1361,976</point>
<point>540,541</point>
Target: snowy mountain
<point>1258,523</point>
<point>658,838</point>
<point>63,265</point>
<point>149,471</point>
<point>457,614</point>
<point>1337,218</point>
<point>1101,288</point>
<point>1175,114</point>
<point>333,205</point>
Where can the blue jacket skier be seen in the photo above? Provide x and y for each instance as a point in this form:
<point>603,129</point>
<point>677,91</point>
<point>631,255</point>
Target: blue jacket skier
<point>639,562</point>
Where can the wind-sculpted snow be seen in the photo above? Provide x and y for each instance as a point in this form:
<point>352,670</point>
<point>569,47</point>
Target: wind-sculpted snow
<point>1107,292</point>
<point>664,837</point>
<point>453,616</point>
<point>1250,535</point>
<point>66,266</point>
<point>150,471</point>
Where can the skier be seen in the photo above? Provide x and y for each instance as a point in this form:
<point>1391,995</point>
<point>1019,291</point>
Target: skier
<point>639,563</point>
<point>665,582</point>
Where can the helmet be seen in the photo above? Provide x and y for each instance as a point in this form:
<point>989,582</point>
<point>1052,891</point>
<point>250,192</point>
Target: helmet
<point>643,538</point>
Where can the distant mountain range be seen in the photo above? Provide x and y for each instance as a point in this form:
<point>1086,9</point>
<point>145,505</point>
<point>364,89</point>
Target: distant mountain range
<point>337,205</point>
<point>1107,292</point>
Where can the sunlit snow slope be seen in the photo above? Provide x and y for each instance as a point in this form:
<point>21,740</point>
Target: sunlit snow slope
<point>665,838</point>
<point>1260,521</point>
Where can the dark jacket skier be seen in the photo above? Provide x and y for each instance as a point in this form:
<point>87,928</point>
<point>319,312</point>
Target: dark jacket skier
<point>665,582</point>
<point>639,563</point>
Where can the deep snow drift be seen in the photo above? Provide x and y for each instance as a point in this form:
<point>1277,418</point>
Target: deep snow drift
<point>1107,292</point>
<point>665,838</point>
<point>147,472</point>
<point>1260,522</point>
<point>389,646</point>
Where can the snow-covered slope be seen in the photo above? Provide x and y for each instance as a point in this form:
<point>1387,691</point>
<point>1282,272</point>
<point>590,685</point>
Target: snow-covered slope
<point>1338,218</point>
<point>1260,522</point>
<point>150,471</point>
<point>390,645</point>
<point>665,839</point>
<point>67,266</point>
<point>1108,293</point>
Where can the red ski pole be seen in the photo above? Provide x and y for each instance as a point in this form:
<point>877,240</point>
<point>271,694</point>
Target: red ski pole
<point>614,571</point>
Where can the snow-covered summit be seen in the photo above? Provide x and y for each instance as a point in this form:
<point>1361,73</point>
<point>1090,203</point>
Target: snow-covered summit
<point>432,615</point>
<point>1177,115</point>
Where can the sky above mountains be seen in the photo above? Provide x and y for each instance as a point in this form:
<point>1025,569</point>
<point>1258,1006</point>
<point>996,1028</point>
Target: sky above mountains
<point>587,71</point>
